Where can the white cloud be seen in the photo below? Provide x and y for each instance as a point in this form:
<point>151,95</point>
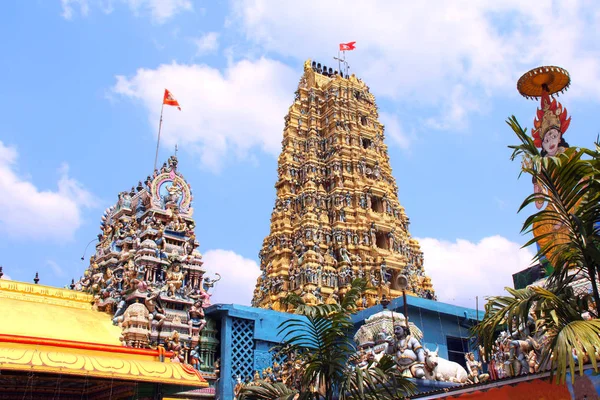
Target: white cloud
<point>56,269</point>
<point>207,43</point>
<point>448,55</point>
<point>223,112</point>
<point>239,276</point>
<point>68,8</point>
<point>6,277</point>
<point>462,270</point>
<point>28,212</point>
<point>159,10</point>
<point>394,129</point>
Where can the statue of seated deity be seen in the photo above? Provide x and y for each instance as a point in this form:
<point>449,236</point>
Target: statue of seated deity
<point>174,279</point>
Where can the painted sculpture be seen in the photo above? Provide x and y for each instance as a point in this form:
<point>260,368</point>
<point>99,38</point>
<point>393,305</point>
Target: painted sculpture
<point>549,127</point>
<point>147,266</point>
<point>337,215</point>
<point>388,332</point>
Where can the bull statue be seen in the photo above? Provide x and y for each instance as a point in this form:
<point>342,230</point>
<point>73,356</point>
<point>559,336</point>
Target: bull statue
<point>440,369</point>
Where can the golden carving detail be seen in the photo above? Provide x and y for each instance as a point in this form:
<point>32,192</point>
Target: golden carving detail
<point>33,359</point>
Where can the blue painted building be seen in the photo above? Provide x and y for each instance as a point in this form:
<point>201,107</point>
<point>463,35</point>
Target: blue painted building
<point>247,334</point>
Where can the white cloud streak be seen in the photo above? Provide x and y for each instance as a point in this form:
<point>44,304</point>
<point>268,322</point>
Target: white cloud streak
<point>28,212</point>
<point>447,55</point>
<point>239,276</point>
<point>207,43</point>
<point>160,11</point>
<point>233,111</point>
<point>462,270</point>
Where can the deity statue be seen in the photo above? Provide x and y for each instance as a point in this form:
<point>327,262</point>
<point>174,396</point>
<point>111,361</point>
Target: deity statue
<point>196,317</point>
<point>549,126</point>
<point>178,349</point>
<point>174,193</point>
<point>152,303</point>
<point>195,360</point>
<point>174,279</point>
<point>407,350</point>
<point>345,255</point>
<point>474,369</point>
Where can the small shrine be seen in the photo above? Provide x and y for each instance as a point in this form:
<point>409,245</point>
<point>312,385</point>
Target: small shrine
<point>147,271</point>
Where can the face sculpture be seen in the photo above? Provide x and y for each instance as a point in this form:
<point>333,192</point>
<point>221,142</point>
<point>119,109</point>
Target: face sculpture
<point>551,141</point>
<point>399,331</point>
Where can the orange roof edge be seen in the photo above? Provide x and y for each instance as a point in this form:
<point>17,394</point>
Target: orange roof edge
<point>80,345</point>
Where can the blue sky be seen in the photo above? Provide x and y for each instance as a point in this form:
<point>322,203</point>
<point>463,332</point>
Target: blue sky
<point>84,82</point>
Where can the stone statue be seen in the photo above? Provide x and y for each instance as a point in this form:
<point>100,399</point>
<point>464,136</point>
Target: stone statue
<point>174,279</point>
<point>407,351</point>
<point>174,193</point>
<point>152,303</point>
<point>196,317</point>
<point>345,255</point>
<point>474,369</point>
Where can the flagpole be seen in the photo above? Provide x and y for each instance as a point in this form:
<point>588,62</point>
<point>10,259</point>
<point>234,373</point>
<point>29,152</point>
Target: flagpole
<point>339,62</point>
<point>159,128</point>
<point>345,64</point>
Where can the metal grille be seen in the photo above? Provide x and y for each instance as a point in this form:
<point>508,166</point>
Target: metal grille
<point>242,348</point>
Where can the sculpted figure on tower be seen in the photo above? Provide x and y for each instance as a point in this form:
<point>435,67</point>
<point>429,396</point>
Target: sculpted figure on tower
<point>147,256</point>
<point>337,215</point>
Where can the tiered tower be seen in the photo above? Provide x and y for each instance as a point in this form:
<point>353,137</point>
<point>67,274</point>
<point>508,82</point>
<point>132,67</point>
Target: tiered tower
<point>147,254</point>
<point>337,214</point>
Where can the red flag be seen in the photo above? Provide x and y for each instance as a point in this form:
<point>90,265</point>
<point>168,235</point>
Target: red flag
<point>347,46</point>
<point>170,100</point>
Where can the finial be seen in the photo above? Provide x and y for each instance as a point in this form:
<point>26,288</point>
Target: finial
<point>72,285</point>
<point>176,150</point>
<point>384,302</point>
<point>37,278</point>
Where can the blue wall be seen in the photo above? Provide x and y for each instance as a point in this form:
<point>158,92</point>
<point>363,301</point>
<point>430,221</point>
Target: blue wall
<point>247,334</point>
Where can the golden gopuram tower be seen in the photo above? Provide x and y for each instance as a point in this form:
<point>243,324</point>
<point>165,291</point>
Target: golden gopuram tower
<point>337,215</point>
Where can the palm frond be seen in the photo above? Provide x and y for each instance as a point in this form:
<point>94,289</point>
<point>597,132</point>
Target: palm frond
<point>263,390</point>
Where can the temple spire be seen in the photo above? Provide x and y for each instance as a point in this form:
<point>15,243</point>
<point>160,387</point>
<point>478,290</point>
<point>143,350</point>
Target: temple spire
<point>337,214</point>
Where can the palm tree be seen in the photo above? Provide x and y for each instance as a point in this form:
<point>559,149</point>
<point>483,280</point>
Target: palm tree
<point>322,341</point>
<point>571,187</point>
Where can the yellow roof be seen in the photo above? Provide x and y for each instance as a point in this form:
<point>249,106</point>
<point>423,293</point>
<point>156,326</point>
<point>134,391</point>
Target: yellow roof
<point>52,330</point>
<point>48,312</point>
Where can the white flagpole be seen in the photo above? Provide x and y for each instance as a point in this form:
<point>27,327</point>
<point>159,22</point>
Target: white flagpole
<point>159,128</point>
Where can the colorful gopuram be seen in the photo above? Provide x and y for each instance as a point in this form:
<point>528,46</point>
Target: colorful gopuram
<point>147,272</point>
<point>337,215</point>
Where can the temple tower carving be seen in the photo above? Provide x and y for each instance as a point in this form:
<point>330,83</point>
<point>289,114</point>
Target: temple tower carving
<point>147,271</point>
<point>337,215</point>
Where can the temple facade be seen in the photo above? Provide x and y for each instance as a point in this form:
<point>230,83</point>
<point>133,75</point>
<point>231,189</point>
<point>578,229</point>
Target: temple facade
<point>148,274</point>
<point>337,215</point>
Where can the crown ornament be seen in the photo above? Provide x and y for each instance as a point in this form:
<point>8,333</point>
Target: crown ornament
<point>542,83</point>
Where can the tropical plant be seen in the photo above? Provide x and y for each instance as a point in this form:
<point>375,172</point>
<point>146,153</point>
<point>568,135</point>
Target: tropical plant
<point>570,186</point>
<point>322,342</point>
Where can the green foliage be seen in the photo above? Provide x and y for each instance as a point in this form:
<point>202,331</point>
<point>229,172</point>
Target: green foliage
<point>264,390</point>
<point>571,188</point>
<point>570,184</point>
<point>322,341</point>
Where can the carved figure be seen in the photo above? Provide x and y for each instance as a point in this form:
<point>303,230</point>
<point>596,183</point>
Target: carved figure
<point>474,369</point>
<point>408,352</point>
<point>152,303</point>
<point>196,319</point>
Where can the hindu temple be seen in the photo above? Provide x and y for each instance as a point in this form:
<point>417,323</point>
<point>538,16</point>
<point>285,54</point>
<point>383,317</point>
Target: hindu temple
<point>337,215</point>
<point>139,323</point>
